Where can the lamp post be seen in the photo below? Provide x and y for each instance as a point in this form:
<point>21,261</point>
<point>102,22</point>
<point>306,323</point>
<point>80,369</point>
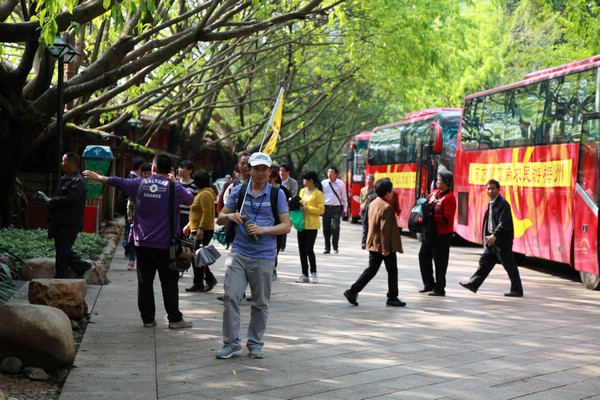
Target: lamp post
<point>65,53</point>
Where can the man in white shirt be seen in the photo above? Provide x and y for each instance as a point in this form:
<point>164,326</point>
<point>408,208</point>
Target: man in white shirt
<point>286,180</point>
<point>336,204</point>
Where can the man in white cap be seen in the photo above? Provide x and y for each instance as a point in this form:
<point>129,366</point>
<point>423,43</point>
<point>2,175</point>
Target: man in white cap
<point>252,259</point>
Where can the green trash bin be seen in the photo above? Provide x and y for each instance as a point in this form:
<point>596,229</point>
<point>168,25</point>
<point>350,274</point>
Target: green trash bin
<point>96,158</point>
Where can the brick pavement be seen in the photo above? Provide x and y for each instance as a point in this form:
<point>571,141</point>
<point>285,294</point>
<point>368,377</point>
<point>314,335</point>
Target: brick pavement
<point>463,346</point>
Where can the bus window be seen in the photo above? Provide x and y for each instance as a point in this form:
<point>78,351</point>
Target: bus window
<point>529,101</point>
<point>493,120</point>
<point>470,126</point>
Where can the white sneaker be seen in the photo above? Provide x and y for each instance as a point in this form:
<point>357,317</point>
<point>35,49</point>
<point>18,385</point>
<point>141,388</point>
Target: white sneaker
<point>314,278</point>
<point>303,279</point>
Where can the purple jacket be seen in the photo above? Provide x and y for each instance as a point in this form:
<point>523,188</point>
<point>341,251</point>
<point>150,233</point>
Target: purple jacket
<point>151,221</point>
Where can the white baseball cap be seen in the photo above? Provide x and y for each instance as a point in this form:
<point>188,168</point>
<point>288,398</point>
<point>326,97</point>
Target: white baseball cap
<point>260,159</point>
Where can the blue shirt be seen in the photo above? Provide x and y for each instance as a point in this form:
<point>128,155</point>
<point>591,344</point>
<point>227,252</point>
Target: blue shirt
<point>258,208</point>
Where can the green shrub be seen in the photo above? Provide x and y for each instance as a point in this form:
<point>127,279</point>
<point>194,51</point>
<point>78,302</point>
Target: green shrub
<point>7,287</point>
<point>25,244</point>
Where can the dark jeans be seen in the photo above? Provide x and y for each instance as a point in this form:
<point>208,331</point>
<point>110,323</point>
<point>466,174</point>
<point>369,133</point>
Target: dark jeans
<point>436,249</point>
<point>306,245</point>
<point>364,220</point>
<point>64,237</point>
<point>375,259</point>
<point>150,260</point>
<point>488,260</point>
<point>127,245</point>
<point>203,273</point>
<point>331,226</point>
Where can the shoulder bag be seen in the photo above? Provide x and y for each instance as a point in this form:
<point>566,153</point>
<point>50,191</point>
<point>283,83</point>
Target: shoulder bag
<point>181,249</point>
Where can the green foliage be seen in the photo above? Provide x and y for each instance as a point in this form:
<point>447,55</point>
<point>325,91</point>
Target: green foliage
<point>25,244</point>
<point>7,287</point>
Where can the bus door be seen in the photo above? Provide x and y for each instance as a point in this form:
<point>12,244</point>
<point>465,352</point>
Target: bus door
<point>424,166</point>
<point>585,240</point>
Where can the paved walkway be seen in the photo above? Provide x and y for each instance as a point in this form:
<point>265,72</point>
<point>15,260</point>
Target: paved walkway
<point>464,346</point>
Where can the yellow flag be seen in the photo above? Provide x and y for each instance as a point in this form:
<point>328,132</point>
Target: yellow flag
<point>270,147</point>
<point>276,124</point>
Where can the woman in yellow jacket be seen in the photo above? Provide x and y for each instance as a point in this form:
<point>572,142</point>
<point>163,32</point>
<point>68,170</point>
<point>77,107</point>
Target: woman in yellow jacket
<point>313,205</point>
<point>202,226</point>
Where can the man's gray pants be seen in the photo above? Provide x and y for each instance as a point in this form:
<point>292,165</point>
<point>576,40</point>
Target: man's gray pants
<point>241,271</point>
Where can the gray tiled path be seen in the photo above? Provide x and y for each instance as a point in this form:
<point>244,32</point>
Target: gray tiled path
<point>545,345</point>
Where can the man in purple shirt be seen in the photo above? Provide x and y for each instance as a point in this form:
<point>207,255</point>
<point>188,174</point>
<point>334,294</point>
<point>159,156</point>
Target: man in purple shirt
<point>151,235</point>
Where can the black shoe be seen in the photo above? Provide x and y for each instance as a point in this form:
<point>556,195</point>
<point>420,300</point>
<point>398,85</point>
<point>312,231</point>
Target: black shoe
<point>248,298</point>
<point>336,251</point>
<point>362,246</point>
<point>326,252</point>
<point>220,298</point>
<point>195,288</point>
<point>351,297</point>
<point>426,290</point>
<point>395,303</point>
<point>209,286</point>
<point>469,286</point>
<point>514,294</point>
<point>434,293</point>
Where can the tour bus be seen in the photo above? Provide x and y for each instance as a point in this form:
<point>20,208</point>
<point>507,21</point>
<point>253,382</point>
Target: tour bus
<point>539,138</point>
<point>354,165</point>
<point>410,152</point>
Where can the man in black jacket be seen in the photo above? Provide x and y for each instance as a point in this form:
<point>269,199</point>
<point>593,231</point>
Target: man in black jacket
<point>66,209</point>
<point>498,235</point>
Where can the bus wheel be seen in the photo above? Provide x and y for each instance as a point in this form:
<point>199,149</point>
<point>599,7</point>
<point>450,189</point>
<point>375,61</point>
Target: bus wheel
<point>590,281</point>
<point>355,220</point>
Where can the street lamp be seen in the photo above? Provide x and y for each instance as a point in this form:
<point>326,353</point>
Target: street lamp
<point>65,53</point>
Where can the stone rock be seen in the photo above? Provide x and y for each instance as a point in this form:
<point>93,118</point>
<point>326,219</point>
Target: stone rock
<point>97,276</point>
<point>114,239</point>
<point>62,372</point>
<point>11,365</point>
<point>42,267</point>
<point>36,374</point>
<point>111,230</point>
<point>67,295</point>
<point>3,395</point>
<point>40,336</point>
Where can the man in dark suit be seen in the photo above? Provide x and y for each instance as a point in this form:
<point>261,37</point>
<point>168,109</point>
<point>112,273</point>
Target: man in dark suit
<point>498,235</point>
<point>66,209</point>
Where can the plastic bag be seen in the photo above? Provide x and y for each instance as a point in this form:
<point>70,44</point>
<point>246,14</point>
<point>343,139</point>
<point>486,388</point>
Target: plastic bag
<point>297,219</point>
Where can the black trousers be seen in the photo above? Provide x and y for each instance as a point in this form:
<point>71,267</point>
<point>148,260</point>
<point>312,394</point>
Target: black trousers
<point>375,259</point>
<point>488,260</point>
<point>436,249</point>
<point>364,220</point>
<point>306,247</point>
<point>331,226</point>
<point>151,260</point>
<point>203,273</point>
<point>64,237</point>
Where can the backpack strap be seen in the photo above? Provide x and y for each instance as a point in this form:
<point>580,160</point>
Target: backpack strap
<point>274,201</point>
<point>240,201</point>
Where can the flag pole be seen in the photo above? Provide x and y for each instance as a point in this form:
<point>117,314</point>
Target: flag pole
<point>279,96</point>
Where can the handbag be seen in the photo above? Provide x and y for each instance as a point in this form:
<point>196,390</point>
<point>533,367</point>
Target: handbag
<point>206,255</point>
<point>181,248</point>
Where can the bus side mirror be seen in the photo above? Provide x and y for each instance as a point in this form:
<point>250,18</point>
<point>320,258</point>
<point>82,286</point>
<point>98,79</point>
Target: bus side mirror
<point>437,146</point>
